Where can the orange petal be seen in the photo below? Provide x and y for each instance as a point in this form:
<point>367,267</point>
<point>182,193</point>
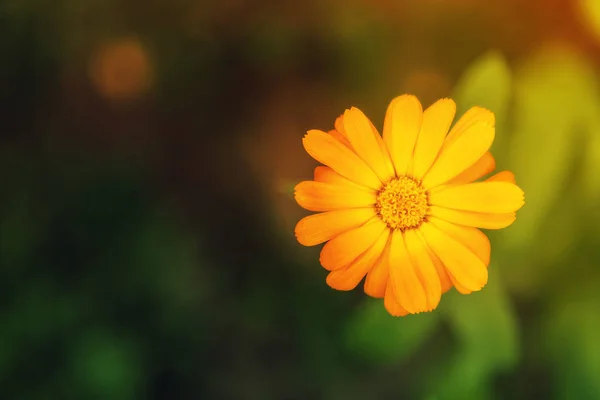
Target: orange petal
<point>424,267</point>
<point>475,219</point>
<point>445,278</point>
<point>319,228</point>
<point>451,281</point>
<point>339,125</point>
<point>346,247</point>
<point>461,263</point>
<point>485,197</point>
<point>341,138</point>
<point>327,175</point>
<point>401,129</point>
<point>404,278</point>
<point>377,278</point>
<point>473,116</point>
<point>349,277</point>
<point>482,167</point>
<point>318,196</point>
<point>391,304</point>
<point>331,152</point>
<point>504,176</point>
<point>462,153</point>
<point>472,238</point>
<point>384,151</point>
<point>436,122</point>
<point>365,141</point>
<point>459,288</point>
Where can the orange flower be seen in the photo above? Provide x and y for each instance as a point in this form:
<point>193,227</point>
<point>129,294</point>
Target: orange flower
<point>403,209</point>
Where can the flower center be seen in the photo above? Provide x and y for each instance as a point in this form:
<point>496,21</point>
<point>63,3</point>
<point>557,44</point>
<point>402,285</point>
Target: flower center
<point>402,203</point>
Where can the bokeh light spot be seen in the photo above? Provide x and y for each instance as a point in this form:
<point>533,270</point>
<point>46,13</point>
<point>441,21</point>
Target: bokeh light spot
<point>589,13</point>
<point>121,70</point>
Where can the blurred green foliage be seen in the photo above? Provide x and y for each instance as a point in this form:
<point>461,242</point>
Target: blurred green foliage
<point>555,96</point>
<point>375,335</point>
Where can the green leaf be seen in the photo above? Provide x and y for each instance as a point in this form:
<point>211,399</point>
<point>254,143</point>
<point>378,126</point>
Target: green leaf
<point>571,343</point>
<point>485,323</point>
<point>554,91</point>
<point>487,332</point>
<point>376,335</point>
<point>486,83</point>
<point>591,168</point>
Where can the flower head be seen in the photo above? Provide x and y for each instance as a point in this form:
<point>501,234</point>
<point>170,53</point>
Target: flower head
<point>403,209</point>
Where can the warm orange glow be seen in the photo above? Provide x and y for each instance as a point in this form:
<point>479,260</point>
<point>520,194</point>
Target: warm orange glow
<point>121,70</point>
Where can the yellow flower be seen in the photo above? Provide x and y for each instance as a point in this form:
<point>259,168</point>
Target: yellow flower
<point>403,209</point>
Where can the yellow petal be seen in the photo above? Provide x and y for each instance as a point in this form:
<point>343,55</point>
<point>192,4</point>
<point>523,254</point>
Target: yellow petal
<point>339,125</point>
<point>485,197</point>
<point>341,138</point>
<point>349,277</point>
<point>377,278</point>
<point>318,196</point>
<point>504,176</point>
<point>482,167</point>
<point>448,281</point>
<point>472,238</point>
<point>461,263</point>
<point>475,219</point>
<point>464,151</point>
<point>445,279</point>
<point>365,141</point>
<point>400,130</point>
<point>391,304</point>
<point>404,278</point>
<point>436,122</point>
<point>460,288</point>
<point>327,175</point>
<point>331,152</point>
<point>319,228</point>
<point>387,159</point>
<point>346,247</point>
<point>473,116</point>
<point>424,267</point>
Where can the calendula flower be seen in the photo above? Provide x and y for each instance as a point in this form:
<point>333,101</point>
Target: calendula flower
<point>404,209</point>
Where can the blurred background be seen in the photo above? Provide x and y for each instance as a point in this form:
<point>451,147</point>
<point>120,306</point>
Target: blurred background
<point>148,151</point>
